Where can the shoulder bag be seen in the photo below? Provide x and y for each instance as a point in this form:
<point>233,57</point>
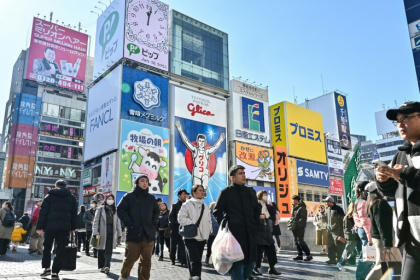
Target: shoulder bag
<point>190,231</point>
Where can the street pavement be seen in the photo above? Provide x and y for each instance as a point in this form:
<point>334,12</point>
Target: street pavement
<point>24,266</point>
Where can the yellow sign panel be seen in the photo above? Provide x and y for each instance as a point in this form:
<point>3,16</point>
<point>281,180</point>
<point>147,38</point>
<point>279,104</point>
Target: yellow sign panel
<point>278,124</point>
<point>305,133</point>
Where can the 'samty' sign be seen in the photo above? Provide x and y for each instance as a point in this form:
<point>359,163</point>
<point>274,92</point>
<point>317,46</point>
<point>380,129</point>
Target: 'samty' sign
<point>312,173</point>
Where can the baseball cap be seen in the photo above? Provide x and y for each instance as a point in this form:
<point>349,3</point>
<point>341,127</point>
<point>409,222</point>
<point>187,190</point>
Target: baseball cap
<point>329,198</point>
<point>406,108</point>
<point>181,191</point>
<point>371,187</point>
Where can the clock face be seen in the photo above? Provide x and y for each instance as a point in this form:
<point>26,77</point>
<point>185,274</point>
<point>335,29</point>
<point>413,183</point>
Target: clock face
<point>147,21</point>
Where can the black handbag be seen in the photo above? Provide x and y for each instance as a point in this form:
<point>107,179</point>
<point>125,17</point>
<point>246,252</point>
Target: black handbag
<point>68,259</point>
<point>394,265</point>
<point>190,231</point>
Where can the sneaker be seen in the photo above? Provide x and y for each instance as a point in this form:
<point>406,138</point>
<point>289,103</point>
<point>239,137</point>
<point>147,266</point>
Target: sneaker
<point>55,276</point>
<point>106,270</point>
<point>102,270</point>
<point>32,251</point>
<point>256,271</point>
<point>14,249</point>
<point>340,266</point>
<point>308,258</point>
<point>46,272</point>
<point>298,258</point>
<point>273,271</point>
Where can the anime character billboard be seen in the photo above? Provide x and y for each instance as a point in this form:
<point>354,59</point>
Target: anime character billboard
<point>258,162</point>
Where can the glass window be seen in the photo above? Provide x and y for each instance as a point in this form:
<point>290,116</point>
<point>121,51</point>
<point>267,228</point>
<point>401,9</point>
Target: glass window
<point>317,198</point>
<point>76,115</point>
<point>53,110</point>
<point>309,197</point>
<point>45,108</point>
<point>301,195</point>
<point>260,183</point>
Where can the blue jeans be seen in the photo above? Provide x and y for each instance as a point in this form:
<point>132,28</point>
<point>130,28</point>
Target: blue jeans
<point>241,271</point>
<point>363,268</point>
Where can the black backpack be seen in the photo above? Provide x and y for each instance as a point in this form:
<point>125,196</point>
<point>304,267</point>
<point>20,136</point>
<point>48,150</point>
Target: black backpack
<point>9,219</point>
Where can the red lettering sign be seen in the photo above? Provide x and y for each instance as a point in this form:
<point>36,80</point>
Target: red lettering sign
<point>198,109</point>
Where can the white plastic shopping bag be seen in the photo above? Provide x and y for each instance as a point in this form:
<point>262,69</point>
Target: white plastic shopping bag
<point>369,253</point>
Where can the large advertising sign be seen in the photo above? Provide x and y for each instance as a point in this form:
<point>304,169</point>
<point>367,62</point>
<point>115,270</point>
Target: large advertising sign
<point>200,143</point>
<point>19,171</point>
<point>258,162</point>
<point>336,186</point>
<point>107,173</point>
<point>146,33</point>
<point>23,139</point>
<point>57,55</point>
<point>278,124</point>
<point>103,115</point>
<point>282,182</point>
<point>87,177</point>
<point>27,109</point>
<point>414,28</point>
<point>109,41</point>
<point>342,121</point>
<point>305,133</point>
<point>312,173</point>
<point>335,158</point>
<point>144,97</point>
<point>144,150</point>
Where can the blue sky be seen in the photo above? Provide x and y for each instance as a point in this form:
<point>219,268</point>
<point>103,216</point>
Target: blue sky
<point>360,47</point>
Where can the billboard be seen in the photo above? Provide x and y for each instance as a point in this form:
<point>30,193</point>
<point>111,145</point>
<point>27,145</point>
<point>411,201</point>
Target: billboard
<point>102,116</point>
<point>335,158</point>
<point>57,55</point>
<point>305,133</point>
<point>282,182</point>
<point>278,124</point>
<point>144,97</point>
<point>258,161</point>
<point>336,186</point>
<point>383,125</point>
<point>87,177</point>
<point>414,28</point>
<point>342,121</point>
<point>107,173</point>
<point>109,41</point>
<point>19,171</point>
<point>293,179</point>
<point>27,109</point>
<point>23,139</point>
<point>271,192</point>
<point>146,33</point>
<point>312,173</point>
<point>144,150</point>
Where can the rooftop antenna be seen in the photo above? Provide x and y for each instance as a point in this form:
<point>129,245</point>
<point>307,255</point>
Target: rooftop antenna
<point>294,96</point>
<point>383,106</point>
<point>96,7</point>
<point>103,4</point>
<point>51,16</point>
<point>322,80</point>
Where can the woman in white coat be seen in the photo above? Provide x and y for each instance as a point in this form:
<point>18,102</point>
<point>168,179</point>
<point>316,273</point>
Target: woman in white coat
<point>189,214</point>
<point>108,226</point>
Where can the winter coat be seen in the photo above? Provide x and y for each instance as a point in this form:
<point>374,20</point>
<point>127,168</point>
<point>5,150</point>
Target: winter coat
<point>361,218</point>
<point>300,215</point>
<point>24,220</point>
<point>348,225</point>
<point>58,211</point>
<point>320,221</point>
<point>190,213</point>
<point>88,218</point>
<point>335,216</point>
<point>407,195</point>
<point>5,232</point>
<point>139,212</point>
<point>173,217</point>
<point>238,204</point>
<point>163,220</point>
<point>264,236</point>
<point>380,214</point>
<point>17,234</point>
<point>35,215</point>
<point>80,222</point>
<point>99,227</point>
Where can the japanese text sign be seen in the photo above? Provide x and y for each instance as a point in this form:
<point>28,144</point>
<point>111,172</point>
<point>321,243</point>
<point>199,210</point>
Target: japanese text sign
<point>282,181</point>
<point>342,120</point>
<point>278,124</point>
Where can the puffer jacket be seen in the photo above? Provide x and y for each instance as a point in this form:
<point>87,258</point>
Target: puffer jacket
<point>58,211</point>
<point>17,233</point>
<point>361,218</point>
<point>300,215</point>
<point>88,218</point>
<point>190,213</point>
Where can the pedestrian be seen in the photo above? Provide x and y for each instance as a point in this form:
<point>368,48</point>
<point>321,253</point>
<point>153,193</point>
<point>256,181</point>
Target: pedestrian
<point>297,224</point>
<point>320,222</point>
<point>37,240</point>
<point>265,241</point>
<point>6,213</point>
<point>16,237</point>
<point>238,204</point>
<point>353,244</point>
<point>81,229</point>
<point>335,216</point>
<point>26,222</point>
<point>362,227</point>
<point>163,229</point>
<point>139,212</point>
<point>57,218</point>
<point>107,225</point>
<point>88,219</point>
<point>189,214</point>
<point>401,181</point>
<point>157,245</point>
<point>275,217</point>
<point>176,239</point>
<point>214,231</point>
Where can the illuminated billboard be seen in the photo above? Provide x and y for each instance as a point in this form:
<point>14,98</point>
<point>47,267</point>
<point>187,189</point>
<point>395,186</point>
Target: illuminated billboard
<point>57,55</point>
<point>258,161</point>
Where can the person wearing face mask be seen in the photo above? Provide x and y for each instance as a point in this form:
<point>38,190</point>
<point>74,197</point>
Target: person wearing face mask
<point>320,222</point>
<point>88,219</point>
<point>108,226</point>
<point>265,241</point>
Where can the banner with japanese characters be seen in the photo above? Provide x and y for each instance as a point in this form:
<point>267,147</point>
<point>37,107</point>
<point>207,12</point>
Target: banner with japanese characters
<point>57,55</point>
<point>278,124</point>
<point>282,181</point>
<point>19,172</point>
<point>144,150</point>
<point>27,109</point>
<point>258,161</point>
<point>342,120</point>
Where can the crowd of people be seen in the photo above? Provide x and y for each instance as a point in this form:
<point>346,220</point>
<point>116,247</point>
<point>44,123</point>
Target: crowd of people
<point>147,225</point>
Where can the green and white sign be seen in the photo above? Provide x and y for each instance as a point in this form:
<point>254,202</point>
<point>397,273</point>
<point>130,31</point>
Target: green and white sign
<point>86,177</point>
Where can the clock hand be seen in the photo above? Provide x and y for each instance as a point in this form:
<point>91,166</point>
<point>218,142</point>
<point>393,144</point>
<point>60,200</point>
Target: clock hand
<point>148,15</point>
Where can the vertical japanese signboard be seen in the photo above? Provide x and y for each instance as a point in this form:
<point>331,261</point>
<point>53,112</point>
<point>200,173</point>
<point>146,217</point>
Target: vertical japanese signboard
<point>335,158</point>
<point>342,121</point>
<point>57,55</point>
<point>278,124</point>
<point>282,182</point>
<point>336,186</point>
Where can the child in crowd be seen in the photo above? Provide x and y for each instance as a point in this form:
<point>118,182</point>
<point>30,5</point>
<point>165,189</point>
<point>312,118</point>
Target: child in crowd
<point>16,237</point>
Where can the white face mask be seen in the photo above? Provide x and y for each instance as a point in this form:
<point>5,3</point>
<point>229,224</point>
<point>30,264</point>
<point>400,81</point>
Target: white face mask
<point>110,202</point>
<point>92,206</point>
<point>17,226</point>
<point>264,198</point>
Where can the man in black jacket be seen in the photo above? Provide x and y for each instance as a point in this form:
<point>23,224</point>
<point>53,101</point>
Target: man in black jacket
<point>238,204</point>
<point>176,239</point>
<point>139,212</point>
<point>57,218</point>
<point>298,218</point>
<point>336,241</point>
